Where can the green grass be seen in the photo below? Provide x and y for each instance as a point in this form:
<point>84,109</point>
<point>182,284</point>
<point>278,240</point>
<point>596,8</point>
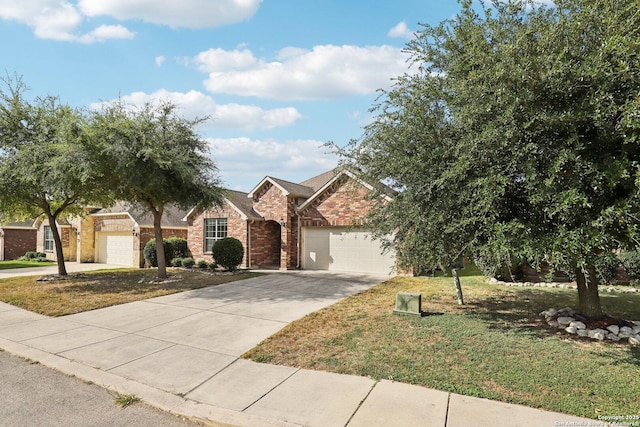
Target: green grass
<point>124,400</point>
<point>6,265</point>
<point>493,347</point>
<point>80,292</point>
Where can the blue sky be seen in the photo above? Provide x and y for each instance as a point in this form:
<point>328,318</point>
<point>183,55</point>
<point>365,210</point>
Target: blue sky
<point>278,77</point>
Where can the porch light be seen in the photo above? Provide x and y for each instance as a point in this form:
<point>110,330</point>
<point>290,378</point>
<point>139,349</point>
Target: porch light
<point>282,223</point>
<point>134,231</point>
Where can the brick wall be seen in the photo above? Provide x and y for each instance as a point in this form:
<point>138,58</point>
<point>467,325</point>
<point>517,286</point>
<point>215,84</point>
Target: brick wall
<point>265,244</point>
<point>17,242</point>
<point>236,227</point>
<point>66,233</point>
<point>276,207</point>
<point>344,204</point>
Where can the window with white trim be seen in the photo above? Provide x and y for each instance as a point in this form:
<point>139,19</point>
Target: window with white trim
<point>48,239</point>
<point>214,229</point>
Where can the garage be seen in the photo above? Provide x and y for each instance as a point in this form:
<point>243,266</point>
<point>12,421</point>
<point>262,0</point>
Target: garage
<point>343,249</point>
<point>114,248</point>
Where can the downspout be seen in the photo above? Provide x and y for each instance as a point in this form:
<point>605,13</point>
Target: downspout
<point>249,243</point>
<point>298,244</point>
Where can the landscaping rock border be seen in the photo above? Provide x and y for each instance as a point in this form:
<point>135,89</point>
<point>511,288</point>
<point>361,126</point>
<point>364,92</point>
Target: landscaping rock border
<point>573,323</point>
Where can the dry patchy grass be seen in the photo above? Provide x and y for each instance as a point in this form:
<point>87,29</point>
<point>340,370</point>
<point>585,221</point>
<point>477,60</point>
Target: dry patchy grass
<point>80,292</point>
<point>492,347</point>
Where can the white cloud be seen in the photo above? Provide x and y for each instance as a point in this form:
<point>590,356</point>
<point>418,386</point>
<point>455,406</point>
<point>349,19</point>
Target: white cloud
<point>57,20</point>
<point>106,32</point>
<point>160,60</point>
<point>401,31</point>
<point>243,162</point>
<point>183,13</point>
<point>325,72</point>
<point>214,60</point>
<point>222,116</point>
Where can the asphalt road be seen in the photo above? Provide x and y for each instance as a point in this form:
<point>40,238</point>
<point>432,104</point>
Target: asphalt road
<point>34,395</point>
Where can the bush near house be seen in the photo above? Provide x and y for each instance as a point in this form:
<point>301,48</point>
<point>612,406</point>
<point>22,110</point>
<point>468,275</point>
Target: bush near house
<point>228,253</point>
<point>188,262</point>
<point>180,249</point>
<point>151,256</point>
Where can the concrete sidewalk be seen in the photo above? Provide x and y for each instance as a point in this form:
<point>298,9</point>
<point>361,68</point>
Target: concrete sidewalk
<point>181,353</point>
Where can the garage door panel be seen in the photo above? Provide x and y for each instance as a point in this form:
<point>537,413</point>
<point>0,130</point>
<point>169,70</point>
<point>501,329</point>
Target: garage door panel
<point>114,248</point>
<point>342,249</point>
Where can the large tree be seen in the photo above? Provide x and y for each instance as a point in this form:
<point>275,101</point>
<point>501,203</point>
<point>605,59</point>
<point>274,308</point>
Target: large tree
<point>44,167</point>
<point>514,137</point>
<point>153,157</point>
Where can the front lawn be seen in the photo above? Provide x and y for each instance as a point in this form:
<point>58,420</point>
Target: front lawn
<point>6,265</point>
<point>493,347</point>
<point>97,289</point>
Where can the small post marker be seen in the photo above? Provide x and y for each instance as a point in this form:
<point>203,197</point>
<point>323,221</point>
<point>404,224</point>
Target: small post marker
<point>409,303</point>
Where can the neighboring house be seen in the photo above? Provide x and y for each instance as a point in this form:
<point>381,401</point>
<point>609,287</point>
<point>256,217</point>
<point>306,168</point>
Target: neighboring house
<point>115,235</point>
<point>17,238</point>
<point>314,225</point>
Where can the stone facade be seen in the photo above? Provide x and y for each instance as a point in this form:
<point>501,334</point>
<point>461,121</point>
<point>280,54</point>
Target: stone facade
<point>16,242</point>
<point>79,236</point>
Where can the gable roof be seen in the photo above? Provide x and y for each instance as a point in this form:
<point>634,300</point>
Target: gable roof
<point>319,181</point>
<point>337,174</point>
<point>287,187</point>
<point>239,201</point>
<point>172,217</point>
<point>242,203</point>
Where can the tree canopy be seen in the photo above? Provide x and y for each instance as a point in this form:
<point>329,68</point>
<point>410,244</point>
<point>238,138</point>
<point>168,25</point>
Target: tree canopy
<point>44,167</point>
<point>513,139</point>
<point>153,157</point>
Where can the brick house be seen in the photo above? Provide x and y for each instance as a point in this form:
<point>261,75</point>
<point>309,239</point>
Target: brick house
<point>115,235</point>
<point>315,224</point>
<point>17,238</point>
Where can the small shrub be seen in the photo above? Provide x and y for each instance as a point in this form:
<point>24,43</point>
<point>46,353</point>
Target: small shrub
<point>228,253</point>
<point>179,245</point>
<point>151,256</point>
<point>176,262</point>
<point>42,259</point>
<point>202,263</point>
<point>30,255</point>
<point>213,265</point>
<point>41,255</point>
<point>188,262</point>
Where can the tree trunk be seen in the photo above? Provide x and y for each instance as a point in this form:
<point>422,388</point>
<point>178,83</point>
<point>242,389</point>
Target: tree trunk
<point>157,231</point>
<point>588,297</point>
<point>456,282</point>
<point>62,269</point>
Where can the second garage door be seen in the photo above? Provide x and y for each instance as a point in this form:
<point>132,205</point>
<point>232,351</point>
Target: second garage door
<point>343,249</point>
<point>114,248</point>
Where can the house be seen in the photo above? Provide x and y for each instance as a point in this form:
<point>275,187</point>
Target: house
<point>17,238</point>
<point>314,225</point>
<point>115,235</point>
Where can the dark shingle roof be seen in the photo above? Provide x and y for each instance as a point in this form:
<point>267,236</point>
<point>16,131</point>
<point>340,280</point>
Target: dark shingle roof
<point>171,218</point>
<point>319,181</point>
<point>293,188</point>
<point>242,201</point>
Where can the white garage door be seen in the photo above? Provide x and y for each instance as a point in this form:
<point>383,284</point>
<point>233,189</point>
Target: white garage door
<point>341,249</point>
<point>114,248</point>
